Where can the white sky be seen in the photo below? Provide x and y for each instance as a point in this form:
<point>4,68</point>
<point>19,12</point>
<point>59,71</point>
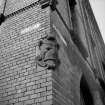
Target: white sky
<point>99,11</point>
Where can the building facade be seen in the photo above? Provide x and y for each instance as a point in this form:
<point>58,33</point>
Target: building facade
<point>51,53</point>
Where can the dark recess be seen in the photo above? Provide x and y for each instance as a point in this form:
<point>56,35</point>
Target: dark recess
<point>85,92</point>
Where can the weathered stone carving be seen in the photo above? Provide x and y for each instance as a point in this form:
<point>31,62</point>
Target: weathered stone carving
<point>48,52</point>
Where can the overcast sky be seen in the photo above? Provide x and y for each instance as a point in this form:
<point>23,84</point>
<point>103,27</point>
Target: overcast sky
<point>99,11</point>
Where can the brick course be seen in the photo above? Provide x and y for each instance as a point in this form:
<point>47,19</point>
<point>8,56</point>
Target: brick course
<point>21,83</point>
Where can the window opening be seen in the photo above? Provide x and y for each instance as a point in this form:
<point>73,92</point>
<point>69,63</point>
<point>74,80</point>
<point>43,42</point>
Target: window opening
<point>86,95</point>
<point>72,3</point>
<point>102,83</point>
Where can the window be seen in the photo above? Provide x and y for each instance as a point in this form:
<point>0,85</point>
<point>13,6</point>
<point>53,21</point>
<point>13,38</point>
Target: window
<point>86,96</point>
<point>103,64</point>
<point>72,3</point>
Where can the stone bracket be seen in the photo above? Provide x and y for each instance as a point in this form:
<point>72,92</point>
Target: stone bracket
<point>47,55</point>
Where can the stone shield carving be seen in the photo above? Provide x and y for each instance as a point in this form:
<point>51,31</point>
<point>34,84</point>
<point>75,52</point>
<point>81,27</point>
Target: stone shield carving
<point>48,52</point>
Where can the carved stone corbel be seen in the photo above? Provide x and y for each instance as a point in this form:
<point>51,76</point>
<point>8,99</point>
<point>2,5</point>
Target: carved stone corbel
<point>48,52</point>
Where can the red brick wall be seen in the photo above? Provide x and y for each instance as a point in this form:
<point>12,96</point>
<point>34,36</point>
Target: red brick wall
<point>21,83</point>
